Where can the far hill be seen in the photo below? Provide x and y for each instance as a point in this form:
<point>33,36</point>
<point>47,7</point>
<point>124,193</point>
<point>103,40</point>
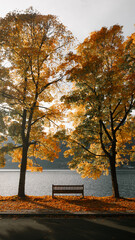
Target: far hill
<point>60,163</point>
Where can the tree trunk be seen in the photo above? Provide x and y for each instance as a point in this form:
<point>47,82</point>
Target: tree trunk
<point>21,189</point>
<point>115,188</point>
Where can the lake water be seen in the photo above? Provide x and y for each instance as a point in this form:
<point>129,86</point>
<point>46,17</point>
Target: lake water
<point>40,184</point>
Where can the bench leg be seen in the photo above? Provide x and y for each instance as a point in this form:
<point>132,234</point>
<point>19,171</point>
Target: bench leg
<point>83,194</point>
<point>52,194</point>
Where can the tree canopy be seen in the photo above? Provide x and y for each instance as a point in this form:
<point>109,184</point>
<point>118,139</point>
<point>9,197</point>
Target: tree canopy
<point>101,101</point>
<point>34,47</point>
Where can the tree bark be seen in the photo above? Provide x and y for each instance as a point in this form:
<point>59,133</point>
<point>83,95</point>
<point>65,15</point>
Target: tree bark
<point>25,140</point>
<point>115,188</point>
<point>111,155</point>
<point>21,189</point>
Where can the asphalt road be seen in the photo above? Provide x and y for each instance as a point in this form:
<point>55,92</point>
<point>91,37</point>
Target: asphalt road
<point>37,228</point>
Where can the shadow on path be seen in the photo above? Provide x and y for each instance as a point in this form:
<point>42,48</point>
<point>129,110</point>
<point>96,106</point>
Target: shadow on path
<point>66,229</point>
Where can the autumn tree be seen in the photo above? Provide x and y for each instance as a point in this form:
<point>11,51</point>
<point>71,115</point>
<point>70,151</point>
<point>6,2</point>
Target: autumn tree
<point>34,46</point>
<point>101,101</point>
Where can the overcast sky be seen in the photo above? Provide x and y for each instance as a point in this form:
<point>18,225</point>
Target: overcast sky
<point>81,16</point>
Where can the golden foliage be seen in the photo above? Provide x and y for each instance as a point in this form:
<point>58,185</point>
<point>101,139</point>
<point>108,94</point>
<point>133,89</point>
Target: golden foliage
<point>101,102</point>
<point>35,46</point>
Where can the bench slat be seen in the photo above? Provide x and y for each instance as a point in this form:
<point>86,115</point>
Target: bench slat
<point>68,189</point>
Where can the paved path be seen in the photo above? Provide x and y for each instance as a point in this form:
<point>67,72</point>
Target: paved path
<point>59,212</point>
<point>41,228</point>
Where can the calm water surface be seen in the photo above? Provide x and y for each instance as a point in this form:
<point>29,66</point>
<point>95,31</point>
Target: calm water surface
<point>40,184</point>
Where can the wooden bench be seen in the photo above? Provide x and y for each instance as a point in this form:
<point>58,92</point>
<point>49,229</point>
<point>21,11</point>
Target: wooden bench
<point>63,189</point>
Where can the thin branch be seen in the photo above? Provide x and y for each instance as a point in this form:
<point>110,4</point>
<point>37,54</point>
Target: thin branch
<point>51,53</point>
<point>24,125</point>
<point>48,84</point>
<point>10,109</point>
<point>43,107</point>
<point>93,90</point>
<point>116,107</point>
<point>40,143</point>
<point>52,121</point>
<point>9,96</point>
<point>87,149</point>
<point>125,116</point>
<point>44,38</point>
<point>101,140</point>
<point>33,78</point>
<point>106,131</point>
<point>117,114</point>
<point>37,119</point>
<point>10,148</point>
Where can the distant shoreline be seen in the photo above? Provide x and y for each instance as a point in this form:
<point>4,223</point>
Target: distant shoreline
<point>44,170</point>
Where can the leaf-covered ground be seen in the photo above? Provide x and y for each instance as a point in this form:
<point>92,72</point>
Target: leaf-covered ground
<point>68,204</point>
